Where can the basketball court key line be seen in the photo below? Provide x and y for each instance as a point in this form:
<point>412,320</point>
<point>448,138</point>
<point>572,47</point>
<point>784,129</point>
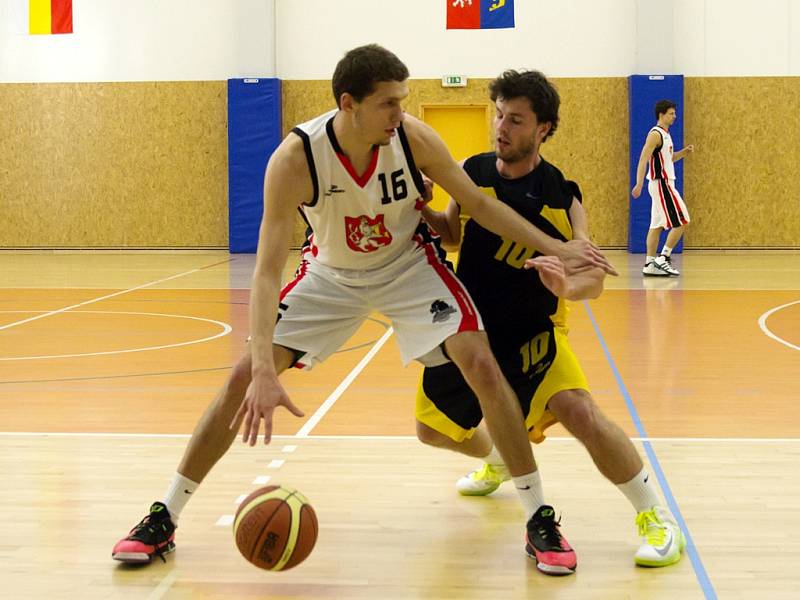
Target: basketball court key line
<point>331,400</point>
<point>691,550</point>
<point>321,411</point>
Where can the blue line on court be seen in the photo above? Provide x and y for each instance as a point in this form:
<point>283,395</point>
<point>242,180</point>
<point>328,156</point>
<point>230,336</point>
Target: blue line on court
<point>691,550</point>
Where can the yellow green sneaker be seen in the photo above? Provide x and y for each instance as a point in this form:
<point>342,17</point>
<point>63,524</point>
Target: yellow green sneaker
<point>483,481</point>
<point>663,541</point>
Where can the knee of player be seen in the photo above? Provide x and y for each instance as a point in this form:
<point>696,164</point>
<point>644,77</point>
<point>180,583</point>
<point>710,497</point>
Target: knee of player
<point>428,436</point>
<point>577,412</point>
<point>480,365</point>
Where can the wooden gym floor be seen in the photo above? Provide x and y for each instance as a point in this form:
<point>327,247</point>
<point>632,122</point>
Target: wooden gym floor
<point>107,361</point>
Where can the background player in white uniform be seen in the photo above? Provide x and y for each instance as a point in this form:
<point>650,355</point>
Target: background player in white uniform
<point>668,210</point>
<point>354,174</point>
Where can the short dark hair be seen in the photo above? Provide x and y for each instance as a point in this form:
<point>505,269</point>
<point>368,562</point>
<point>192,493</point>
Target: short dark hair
<point>534,86</point>
<point>361,68</point>
<point>663,106</point>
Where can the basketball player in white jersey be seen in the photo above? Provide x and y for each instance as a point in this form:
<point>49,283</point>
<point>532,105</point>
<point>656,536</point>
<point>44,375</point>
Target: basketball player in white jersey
<point>355,174</point>
<point>668,210</point>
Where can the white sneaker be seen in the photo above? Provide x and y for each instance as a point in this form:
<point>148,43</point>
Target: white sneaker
<point>651,270</point>
<point>483,481</point>
<point>662,539</point>
<point>665,264</point>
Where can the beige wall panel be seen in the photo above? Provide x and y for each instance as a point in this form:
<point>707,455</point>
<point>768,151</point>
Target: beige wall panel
<point>131,165</point>
<point>590,146</point>
<point>741,184</point>
<point>144,165</point>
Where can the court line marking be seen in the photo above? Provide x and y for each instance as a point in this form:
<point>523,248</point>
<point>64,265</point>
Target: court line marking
<point>226,329</point>
<point>331,400</point>
<point>163,587</point>
<point>107,296</point>
<point>162,373</point>
<point>700,571</point>
<point>762,323</point>
<point>390,438</point>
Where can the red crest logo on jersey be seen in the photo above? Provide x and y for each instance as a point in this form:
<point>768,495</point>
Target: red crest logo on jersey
<point>365,234</point>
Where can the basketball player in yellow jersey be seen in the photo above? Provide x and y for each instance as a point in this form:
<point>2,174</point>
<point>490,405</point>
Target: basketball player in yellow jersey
<point>525,317</point>
<point>354,172</point>
<point>668,210</point>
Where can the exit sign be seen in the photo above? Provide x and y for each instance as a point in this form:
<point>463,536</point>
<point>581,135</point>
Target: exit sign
<point>454,81</point>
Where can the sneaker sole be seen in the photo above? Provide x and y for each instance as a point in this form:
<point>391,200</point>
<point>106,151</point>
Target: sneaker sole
<point>141,558</point>
<point>643,562</point>
<point>556,570</point>
<point>665,274</point>
<point>485,492</point>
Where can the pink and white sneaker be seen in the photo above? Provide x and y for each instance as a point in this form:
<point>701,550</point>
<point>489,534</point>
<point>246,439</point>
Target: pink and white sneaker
<point>545,544</point>
<point>153,536</point>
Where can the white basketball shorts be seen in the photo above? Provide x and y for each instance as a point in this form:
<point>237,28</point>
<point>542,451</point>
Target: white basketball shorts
<point>667,210</point>
<point>322,306</point>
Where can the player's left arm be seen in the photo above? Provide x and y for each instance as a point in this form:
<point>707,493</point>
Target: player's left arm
<point>566,282</point>
<point>433,158</point>
<point>577,216</point>
<point>683,153</point>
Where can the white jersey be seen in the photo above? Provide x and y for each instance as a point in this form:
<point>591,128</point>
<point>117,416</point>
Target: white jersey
<point>359,222</point>
<point>661,165</point>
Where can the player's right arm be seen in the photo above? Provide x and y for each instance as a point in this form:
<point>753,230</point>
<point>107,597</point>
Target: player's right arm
<point>651,143</point>
<point>287,184</point>
<point>446,223</point>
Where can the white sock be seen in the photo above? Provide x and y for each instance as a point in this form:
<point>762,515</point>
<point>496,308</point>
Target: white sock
<point>178,494</point>
<point>529,488</point>
<point>640,492</point>
<point>648,260</point>
<point>666,251</point>
<point>494,458</point>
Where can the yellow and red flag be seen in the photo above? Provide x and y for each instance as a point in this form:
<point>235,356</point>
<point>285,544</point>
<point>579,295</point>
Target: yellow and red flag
<point>49,16</point>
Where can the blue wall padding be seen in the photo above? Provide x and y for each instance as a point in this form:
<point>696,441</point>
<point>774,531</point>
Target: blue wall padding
<point>254,131</point>
<point>643,93</point>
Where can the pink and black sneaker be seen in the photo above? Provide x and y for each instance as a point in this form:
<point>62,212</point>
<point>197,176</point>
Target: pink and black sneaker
<point>153,536</point>
<point>545,544</point>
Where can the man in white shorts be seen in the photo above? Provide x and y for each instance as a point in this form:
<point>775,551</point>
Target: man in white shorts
<point>668,210</point>
<point>355,174</point>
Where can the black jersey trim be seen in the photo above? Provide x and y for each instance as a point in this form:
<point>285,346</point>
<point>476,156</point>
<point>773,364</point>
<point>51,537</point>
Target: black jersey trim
<point>415,174</point>
<point>311,166</point>
<point>332,137</point>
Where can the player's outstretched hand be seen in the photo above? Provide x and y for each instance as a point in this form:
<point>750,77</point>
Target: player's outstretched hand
<point>578,253</point>
<point>264,395</point>
<point>552,273</point>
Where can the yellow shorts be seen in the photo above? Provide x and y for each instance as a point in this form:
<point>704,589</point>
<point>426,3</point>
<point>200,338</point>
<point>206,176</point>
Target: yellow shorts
<point>545,366</point>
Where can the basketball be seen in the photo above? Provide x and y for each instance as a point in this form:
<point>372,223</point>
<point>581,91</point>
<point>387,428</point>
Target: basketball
<point>275,528</point>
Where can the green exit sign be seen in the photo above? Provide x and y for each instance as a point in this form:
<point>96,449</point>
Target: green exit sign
<point>454,81</point>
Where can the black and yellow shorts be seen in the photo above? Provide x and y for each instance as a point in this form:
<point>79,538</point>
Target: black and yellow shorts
<point>547,366</point>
